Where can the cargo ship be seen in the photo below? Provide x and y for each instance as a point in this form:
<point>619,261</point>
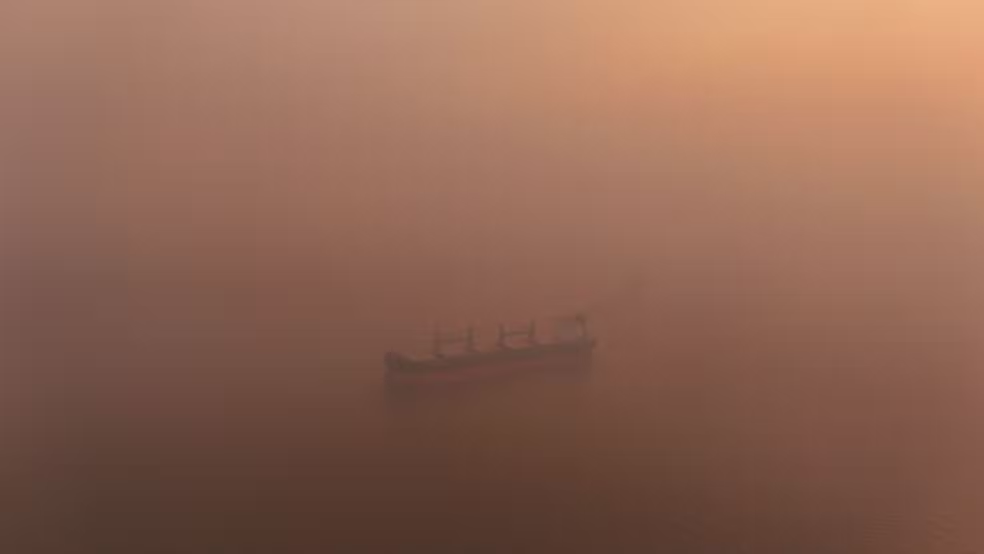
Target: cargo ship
<point>515,352</point>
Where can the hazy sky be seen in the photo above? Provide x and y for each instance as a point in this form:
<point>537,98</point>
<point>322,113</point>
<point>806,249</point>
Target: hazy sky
<point>546,123</point>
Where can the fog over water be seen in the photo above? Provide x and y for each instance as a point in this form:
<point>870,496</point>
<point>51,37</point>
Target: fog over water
<point>215,218</point>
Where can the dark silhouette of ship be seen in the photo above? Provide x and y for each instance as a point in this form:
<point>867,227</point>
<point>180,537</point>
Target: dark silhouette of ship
<point>515,352</point>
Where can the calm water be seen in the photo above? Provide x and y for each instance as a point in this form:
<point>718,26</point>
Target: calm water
<point>679,441</point>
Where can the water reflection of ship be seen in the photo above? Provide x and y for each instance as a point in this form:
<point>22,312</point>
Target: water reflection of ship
<point>515,352</point>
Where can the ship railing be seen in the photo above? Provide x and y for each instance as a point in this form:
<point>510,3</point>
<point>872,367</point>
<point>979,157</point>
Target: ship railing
<point>564,328</point>
<point>571,327</point>
<point>444,338</point>
<point>527,332</point>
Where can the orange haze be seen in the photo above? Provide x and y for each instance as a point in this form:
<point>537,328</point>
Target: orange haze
<point>217,215</point>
